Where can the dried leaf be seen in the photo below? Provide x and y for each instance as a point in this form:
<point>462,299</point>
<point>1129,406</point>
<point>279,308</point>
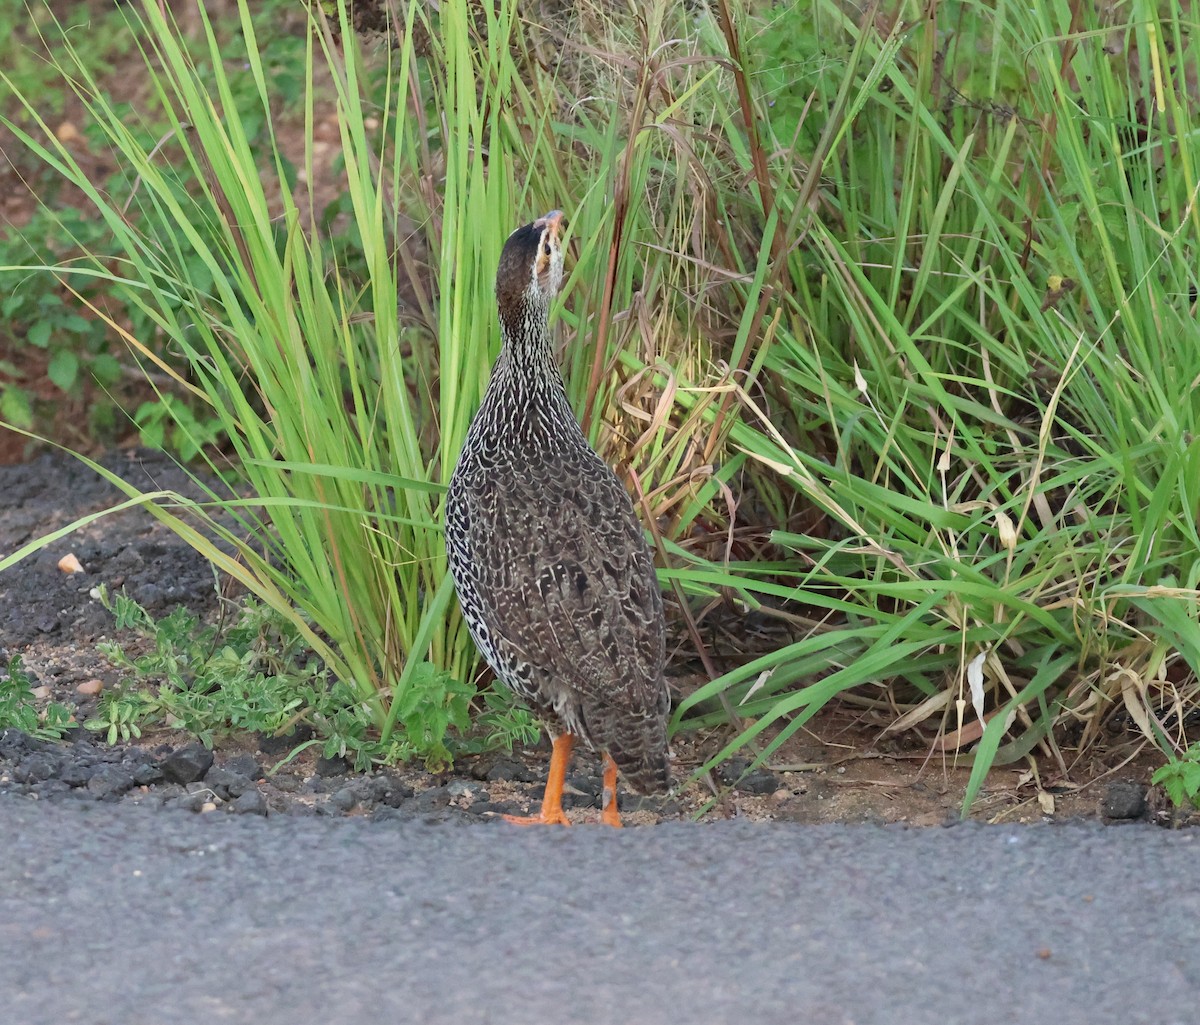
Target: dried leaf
<point>1131,694</point>
<point>968,734</point>
<point>959,738</point>
<point>930,706</point>
<point>975,682</point>
<point>860,382</point>
<point>1008,532</point>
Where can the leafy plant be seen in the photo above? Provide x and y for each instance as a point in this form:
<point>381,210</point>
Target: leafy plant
<point>39,312</point>
<point>18,706</point>
<point>501,724</point>
<point>320,386</point>
<point>171,423</point>
<point>72,318</point>
<point>257,674</point>
<point>1180,778</point>
<point>250,675</point>
<point>29,31</point>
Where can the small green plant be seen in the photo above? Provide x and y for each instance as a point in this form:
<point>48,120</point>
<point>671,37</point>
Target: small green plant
<point>252,675</point>
<point>39,316</point>
<point>18,706</point>
<point>503,723</point>
<point>258,675</point>
<point>29,60</point>
<point>171,423</point>
<point>1180,778</point>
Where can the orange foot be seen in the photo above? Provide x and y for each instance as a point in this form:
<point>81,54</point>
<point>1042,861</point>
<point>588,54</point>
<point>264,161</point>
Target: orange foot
<point>551,813</point>
<point>610,815</point>
<point>541,819</point>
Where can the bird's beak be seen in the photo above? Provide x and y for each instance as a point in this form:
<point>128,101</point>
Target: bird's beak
<point>553,220</point>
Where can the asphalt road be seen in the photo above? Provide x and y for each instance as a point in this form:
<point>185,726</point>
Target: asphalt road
<point>115,915</point>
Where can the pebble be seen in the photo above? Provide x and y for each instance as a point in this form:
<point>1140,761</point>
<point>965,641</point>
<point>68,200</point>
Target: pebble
<point>271,745</point>
<point>77,773</point>
<point>502,769</point>
<point>251,802</point>
<point>52,788</point>
<point>388,791</point>
<point>187,802</point>
<point>434,797</point>
<point>345,799</point>
<point>188,764</point>
<point>654,803</point>
<point>576,800</point>
<point>109,782</point>
<point>389,814</point>
<point>286,783</point>
<point>147,774</point>
<point>39,766</point>
<point>14,744</point>
<point>247,765</point>
<point>332,767</point>
<point>463,788</point>
<point>584,784</point>
<point>758,781</point>
<point>1124,801</point>
<point>226,784</point>
<point>70,563</point>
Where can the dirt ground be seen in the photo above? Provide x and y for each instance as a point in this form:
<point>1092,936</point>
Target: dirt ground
<point>839,768</point>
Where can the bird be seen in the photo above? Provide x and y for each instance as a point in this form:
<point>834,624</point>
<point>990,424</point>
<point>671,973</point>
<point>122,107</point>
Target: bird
<point>553,573</point>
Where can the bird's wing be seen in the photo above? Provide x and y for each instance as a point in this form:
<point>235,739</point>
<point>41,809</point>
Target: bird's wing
<point>567,584</point>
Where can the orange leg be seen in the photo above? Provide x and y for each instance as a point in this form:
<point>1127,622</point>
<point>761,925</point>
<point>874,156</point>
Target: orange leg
<point>552,813</point>
<point>610,815</point>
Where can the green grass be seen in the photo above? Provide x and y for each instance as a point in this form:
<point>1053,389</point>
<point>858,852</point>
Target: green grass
<point>1004,472</point>
<point>894,326</point>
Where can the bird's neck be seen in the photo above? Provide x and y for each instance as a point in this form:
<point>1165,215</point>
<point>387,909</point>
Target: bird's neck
<point>526,365</point>
<point>526,405</point>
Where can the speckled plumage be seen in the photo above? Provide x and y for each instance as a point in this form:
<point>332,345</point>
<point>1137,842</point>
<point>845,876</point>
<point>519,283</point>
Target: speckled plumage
<point>553,573</point>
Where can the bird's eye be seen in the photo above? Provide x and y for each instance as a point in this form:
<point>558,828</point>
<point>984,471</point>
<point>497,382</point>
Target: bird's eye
<point>546,249</point>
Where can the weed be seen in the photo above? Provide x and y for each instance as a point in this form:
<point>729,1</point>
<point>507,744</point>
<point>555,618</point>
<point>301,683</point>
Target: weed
<point>1180,778</point>
<point>252,675</point>
<point>49,309</point>
<point>257,675</point>
<point>504,723</point>
<point>173,424</point>
<point>18,707</point>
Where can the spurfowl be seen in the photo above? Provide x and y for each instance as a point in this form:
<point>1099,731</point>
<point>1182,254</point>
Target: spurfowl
<point>552,570</point>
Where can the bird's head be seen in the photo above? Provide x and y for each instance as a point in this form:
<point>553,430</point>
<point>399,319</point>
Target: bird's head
<point>531,265</point>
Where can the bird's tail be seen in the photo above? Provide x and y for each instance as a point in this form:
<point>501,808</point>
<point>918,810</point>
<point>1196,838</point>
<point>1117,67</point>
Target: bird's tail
<point>639,747</point>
